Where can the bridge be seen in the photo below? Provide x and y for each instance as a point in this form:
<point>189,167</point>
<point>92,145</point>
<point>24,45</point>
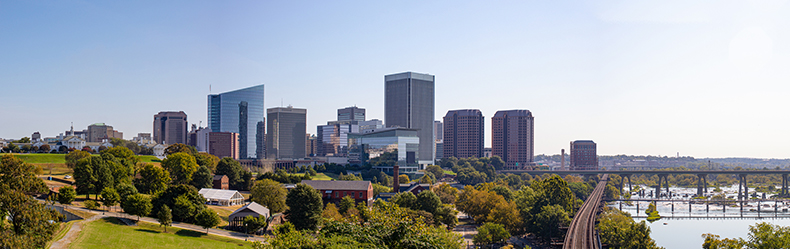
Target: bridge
<point>581,233</point>
<point>702,183</point>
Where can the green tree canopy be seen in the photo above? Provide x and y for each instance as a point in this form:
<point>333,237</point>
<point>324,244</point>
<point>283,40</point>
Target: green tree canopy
<point>180,148</point>
<point>152,179</point>
<point>137,204</point>
<point>66,195</point>
<point>74,156</point>
<point>165,217</point>
<point>428,201</point>
<point>490,233</point>
<point>406,200</point>
<point>436,170</point>
<point>181,167</point>
<point>28,221</point>
<point>110,197</point>
<point>190,204</point>
<point>208,160</point>
<point>345,204</point>
<point>232,169</point>
<point>202,178</point>
<point>207,219</point>
<point>305,207</point>
<point>270,194</point>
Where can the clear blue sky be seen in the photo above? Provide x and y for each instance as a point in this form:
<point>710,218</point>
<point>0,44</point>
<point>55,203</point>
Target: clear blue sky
<point>702,78</point>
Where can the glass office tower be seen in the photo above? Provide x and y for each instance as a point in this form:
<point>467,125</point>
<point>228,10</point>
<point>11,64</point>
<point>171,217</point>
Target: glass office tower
<point>409,103</point>
<point>235,111</point>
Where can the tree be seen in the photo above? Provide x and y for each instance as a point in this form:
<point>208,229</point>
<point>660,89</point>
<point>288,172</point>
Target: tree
<point>207,219</point>
<point>436,170</point>
<point>185,210</point>
<point>378,188</point>
<point>619,230</point>
<point>506,213</point>
<point>490,233</point>
<point>165,217</point>
<point>202,178</point>
<point>403,179</point>
<point>345,204</point>
<point>208,160</point>
<point>152,179</point>
<point>447,194</point>
<point>331,212</point>
<point>305,207</point>
<point>232,169</point>
<point>180,148</point>
<point>181,167</point>
<point>110,197</point>
<point>91,204</point>
<point>426,179</point>
<point>84,177</point>
<point>125,190</point>
<point>253,224</point>
<point>549,220</point>
<point>45,148</point>
<point>406,200</point>
<point>428,201</point>
<point>270,194</point>
<point>26,222</point>
<point>87,149</point>
<point>74,156</point>
<point>66,195</point>
<point>137,204</point>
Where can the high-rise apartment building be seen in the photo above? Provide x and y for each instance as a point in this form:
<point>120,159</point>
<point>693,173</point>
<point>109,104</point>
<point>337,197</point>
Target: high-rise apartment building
<point>223,144</point>
<point>239,112</point>
<point>512,138</point>
<point>100,131</point>
<point>464,134</point>
<point>409,103</point>
<point>170,128</point>
<point>584,155</point>
<point>352,113</point>
<point>286,132</point>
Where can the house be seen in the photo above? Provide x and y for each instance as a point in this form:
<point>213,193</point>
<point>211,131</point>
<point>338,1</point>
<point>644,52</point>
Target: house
<point>73,142</point>
<point>222,197</point>
<point>236,219</point>
<point>220,182</point>
<point>415,188</point>
<point>334,191</point>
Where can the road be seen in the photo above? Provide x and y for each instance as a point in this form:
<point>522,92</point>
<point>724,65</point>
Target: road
<point>581,233</point>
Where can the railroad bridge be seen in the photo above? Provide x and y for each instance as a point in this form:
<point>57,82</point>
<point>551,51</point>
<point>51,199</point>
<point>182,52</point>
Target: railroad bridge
<point>702,185</point>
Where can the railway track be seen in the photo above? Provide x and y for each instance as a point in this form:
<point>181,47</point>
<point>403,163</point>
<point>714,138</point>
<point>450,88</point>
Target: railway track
<point>581,232</point>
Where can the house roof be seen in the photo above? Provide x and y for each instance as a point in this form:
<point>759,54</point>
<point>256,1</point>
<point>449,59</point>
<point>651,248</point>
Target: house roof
<point>252,207</point>
<point>409,188</point>
<point>220,194</point>
<point>337,185</point>
<point>218,177</point>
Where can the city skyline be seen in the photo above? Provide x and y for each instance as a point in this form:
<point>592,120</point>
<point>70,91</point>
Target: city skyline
<point>695,78</point>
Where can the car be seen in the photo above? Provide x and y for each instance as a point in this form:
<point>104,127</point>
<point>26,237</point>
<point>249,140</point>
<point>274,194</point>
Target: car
<point>67,177</point>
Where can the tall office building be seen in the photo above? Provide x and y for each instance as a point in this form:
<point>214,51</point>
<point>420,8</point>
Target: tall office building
<point>287,131</point>
<point>584,155</point>
<point>464,134</point>
<point>170,128</point>
<point>333,138</point>
<point>512,138</point>
<point>100,131</point>
<point>352,113</point>
<point>438,130</point>
<point>409,103</point>
<point>260,140</point>
<point>239,112</point>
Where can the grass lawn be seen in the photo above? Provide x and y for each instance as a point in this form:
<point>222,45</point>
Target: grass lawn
<point>149,159</point>
<point>322,176</point>
<point>449,172</point>
<point>111,232</point>
<point>42,158</point>
<point>223,212</point>
<point>62,230</point>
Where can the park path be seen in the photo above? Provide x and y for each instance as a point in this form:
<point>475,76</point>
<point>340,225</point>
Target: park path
<point>75,229</point>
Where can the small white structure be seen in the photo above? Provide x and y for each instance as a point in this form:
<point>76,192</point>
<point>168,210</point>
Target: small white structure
<point>74,142</point>
<point>222,197</point>
<point>159,151</point>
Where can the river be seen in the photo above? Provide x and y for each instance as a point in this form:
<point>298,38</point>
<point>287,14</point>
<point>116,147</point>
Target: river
<point>687,233</point>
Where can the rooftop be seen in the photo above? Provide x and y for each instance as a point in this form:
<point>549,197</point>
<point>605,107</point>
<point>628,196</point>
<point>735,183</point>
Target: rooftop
<point>338,185</point>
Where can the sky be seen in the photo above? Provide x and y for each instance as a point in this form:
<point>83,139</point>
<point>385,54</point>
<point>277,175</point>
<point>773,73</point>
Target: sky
<point>694,78</point>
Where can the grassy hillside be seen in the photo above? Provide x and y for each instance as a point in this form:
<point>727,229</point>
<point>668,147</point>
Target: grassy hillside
<point>42,158</point>
<point>112,233</point>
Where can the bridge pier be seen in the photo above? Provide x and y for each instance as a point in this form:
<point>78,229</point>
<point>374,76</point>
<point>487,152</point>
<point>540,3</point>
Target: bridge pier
<point>662,178</point>
<point>784,185</point>
<point>742,182</point>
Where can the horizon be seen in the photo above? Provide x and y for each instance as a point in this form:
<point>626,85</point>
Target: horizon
<point>700,79</point>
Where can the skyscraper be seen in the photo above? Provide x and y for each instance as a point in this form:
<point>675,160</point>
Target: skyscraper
<point>170,127</point>
<point>512,138</point>
<point>438,130</point>
<point>238,111</point>
<point>333,138</point>
<point>351,113</point>
<point>287,131</point>
<point>409,103</point>
<point>464,134</point>
<point>260,140</point>
<point>584,155</point>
